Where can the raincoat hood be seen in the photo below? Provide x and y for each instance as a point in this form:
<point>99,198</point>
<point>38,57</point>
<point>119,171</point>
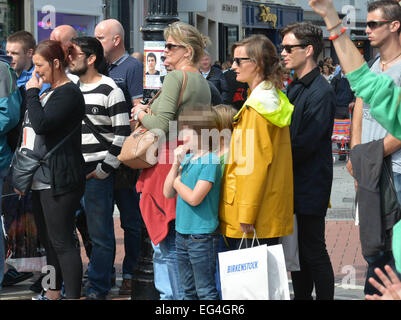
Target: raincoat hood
<point>271,103</point>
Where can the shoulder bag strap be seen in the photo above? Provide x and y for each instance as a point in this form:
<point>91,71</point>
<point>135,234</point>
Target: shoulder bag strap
<point>50,153</point>
<point>106,144</point>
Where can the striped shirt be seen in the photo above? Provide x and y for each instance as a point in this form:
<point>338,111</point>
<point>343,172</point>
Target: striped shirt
<point>107,111</point>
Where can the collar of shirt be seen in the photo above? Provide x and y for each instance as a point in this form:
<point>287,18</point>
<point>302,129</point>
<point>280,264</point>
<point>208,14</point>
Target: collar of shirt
<point>307,79</point>
<point>119,60</point>
<point>205,74</point>
<point>25,76</point>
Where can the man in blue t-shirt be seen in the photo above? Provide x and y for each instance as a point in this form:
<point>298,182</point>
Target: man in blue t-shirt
<point>20,47</point>
<point>127,72</point>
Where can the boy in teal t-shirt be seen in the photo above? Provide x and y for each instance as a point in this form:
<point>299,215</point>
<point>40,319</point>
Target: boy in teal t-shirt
<point>196,179</point>
<point>202,218</point>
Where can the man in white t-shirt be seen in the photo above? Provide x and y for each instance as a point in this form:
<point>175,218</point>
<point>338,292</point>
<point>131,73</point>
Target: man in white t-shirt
<point>383,30</point>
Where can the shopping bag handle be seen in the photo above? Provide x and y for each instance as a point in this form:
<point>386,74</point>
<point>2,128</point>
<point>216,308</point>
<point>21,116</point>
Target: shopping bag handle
<point>246,242</point>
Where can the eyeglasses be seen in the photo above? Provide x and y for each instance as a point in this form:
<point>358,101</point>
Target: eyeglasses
<point>288,48</point>
<point>171,45</point>
<point>238,60</point>
<point>376,24</point>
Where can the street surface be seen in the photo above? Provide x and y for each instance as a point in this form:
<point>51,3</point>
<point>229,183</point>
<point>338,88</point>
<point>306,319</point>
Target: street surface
<point>342,238</point>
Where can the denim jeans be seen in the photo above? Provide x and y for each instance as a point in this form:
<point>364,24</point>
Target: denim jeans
<point>169,254</point>
<point>196,255</point>
<point>162,281</point>
<point>3,173</point>
<point>98,205</point>
<point>127,201</point>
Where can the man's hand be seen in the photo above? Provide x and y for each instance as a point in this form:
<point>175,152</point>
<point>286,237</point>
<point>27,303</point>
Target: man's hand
<point>19,192</point>
<point>92,175</point>
<point>349,167</point>
<point>321,7</point>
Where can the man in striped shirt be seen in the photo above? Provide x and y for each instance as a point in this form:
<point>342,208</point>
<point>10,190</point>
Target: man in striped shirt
<point>104,129</point>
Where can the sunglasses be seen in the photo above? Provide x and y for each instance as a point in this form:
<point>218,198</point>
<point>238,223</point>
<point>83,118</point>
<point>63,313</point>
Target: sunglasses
<point>238,60</point>
<point>376,24</point>
<point>169,46</point>
<point>288,48</point>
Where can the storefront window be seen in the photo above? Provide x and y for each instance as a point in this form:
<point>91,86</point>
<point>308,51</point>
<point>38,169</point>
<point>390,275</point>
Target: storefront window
<point>113,9</point>
<point>8,19</point>
<point>83,24</point>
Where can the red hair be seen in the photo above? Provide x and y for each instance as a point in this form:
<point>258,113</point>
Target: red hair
<point>51,50</point>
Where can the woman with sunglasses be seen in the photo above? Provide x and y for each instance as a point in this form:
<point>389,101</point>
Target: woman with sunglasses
<point>379,91</point>
<point>257,185</point>
<point>183,50</point>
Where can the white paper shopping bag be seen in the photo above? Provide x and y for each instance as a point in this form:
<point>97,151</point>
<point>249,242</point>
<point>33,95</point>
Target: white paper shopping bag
<point>277,273</point>
<point>243,274</point>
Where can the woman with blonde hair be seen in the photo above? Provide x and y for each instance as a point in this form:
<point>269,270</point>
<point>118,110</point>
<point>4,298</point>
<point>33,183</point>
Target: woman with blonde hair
<point>183,50</point>
<point>257,184</point>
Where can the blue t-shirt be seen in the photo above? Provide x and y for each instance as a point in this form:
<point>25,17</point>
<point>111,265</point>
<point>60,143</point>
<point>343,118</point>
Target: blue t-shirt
<point>127,73</point>
<point>204,217</point>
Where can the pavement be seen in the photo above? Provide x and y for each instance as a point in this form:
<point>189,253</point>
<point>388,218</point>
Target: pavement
<point>342,239</point>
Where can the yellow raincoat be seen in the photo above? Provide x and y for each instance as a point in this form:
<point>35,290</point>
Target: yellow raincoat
<point>257,185</point>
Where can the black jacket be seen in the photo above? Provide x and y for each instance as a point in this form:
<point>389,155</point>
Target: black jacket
<point>378,206</point>
<point>311,130</point>
<point>237,92</point>
<point>62,113</point>
<point>217,78</point>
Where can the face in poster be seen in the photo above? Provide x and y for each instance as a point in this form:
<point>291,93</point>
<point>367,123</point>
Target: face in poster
<point>154,68</point>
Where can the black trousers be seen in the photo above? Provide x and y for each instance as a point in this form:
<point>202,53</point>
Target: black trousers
<point>55,220</point>
<point>316,269</point>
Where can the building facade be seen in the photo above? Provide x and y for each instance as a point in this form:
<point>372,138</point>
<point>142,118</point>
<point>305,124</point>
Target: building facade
<point>269,18</point>
<point>220,20</point>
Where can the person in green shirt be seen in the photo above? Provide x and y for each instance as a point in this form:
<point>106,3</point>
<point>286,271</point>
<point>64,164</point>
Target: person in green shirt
<point>384,98</point>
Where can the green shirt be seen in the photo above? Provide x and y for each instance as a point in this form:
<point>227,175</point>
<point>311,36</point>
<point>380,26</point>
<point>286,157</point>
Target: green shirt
<point>164,108</point>
<point>383,96</point>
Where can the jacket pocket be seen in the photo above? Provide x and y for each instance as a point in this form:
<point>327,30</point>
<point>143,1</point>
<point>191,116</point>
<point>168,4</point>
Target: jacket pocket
<point>228,195</point>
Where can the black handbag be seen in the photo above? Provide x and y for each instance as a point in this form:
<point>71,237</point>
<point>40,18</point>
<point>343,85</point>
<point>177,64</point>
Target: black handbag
<point>24,166</point>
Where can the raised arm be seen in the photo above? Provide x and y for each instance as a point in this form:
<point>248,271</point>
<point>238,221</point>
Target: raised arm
<point>349,56</point>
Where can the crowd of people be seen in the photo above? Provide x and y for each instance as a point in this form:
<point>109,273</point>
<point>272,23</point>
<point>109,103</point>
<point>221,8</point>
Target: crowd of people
<point>271,175</point>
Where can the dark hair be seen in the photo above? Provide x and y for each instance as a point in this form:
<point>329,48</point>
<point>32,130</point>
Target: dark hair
<point>25,38</point>
<point>151,55</point>
<point>52,50</point>
<point>263,52</point>
<point>307,33</point>
<point>92,46</point>
<point>391,10</point>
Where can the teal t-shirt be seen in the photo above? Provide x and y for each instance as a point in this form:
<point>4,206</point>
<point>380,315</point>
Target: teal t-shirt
<point>203,218</point>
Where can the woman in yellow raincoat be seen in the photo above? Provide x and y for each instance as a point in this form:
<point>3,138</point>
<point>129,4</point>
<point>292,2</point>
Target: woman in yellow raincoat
<point>257,185</point>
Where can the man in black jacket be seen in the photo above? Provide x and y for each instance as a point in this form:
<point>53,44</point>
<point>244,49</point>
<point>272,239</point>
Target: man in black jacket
<point>311,130</point>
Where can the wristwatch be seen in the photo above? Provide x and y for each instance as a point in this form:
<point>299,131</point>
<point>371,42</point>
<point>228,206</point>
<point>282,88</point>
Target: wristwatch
<point>136,115</point>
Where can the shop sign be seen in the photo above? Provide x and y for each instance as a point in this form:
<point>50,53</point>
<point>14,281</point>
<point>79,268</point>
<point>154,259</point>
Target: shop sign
<point>266,16</point>
<point>229,8</point>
